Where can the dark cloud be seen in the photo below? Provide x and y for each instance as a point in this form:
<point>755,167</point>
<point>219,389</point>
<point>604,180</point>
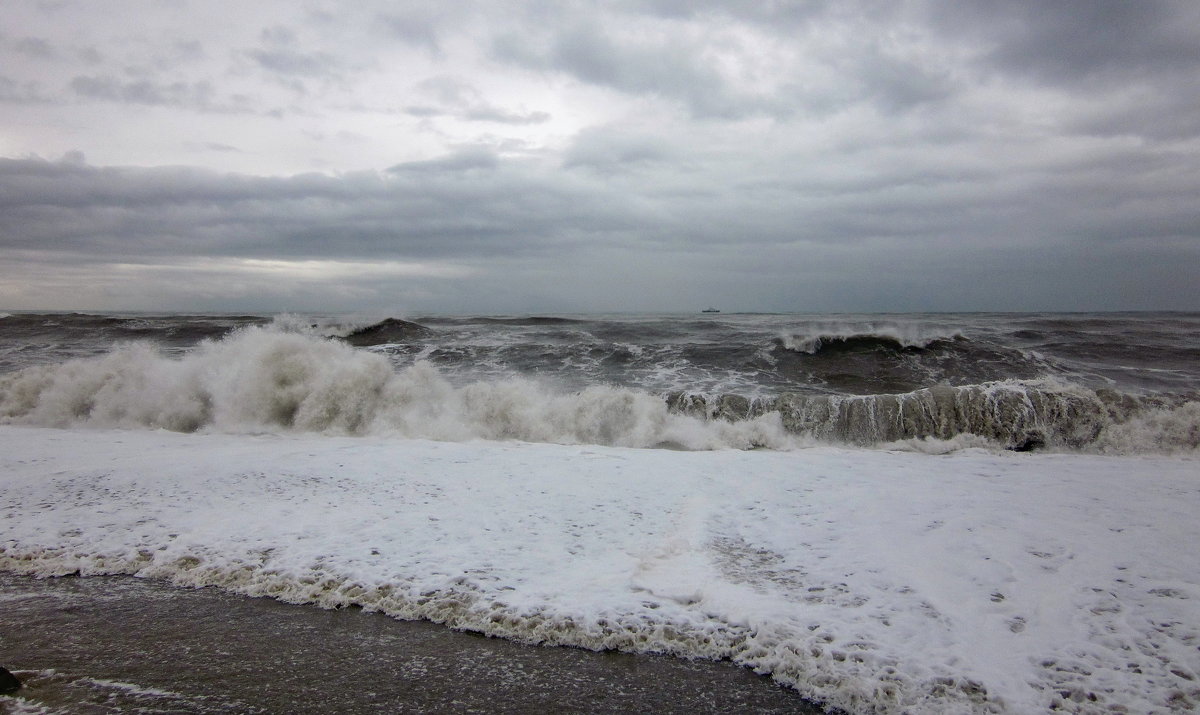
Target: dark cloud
<point>1080,41</point>
<point>199,96</point>
<point>288,61</point>
<point>896,84</point>
<point>184,51</point>
<point>17,92</point>
<point>464,206</point>
<point>733,61</point>
<point>658,66</point>
<point>417,24</point>
<point>907,232</point>
<point>143,91</point>
<point>91,56</point>
<point>278,35</point>
<point>282,53</point>
<point>1132,66</point>
<point>1148,112</point>
<point>35,47</point>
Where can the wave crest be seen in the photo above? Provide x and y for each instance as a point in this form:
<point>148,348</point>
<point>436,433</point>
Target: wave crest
<point>259,379</point>
<point>859,337</point>
<point>1014,414</point>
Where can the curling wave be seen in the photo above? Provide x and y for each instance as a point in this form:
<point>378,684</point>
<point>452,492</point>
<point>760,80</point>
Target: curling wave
<point>1015,414</point>
<point>840,338</point>
<point>261,379</point>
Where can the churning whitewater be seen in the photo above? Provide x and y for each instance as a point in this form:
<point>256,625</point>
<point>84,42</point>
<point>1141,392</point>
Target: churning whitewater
<point>878,582</point>
<point>740,381</point>
<point>889,514</point>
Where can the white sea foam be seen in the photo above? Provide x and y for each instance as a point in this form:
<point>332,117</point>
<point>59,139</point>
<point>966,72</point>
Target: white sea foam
<point>261,379</point>
<point>873,581</point>
<point>131,688</point>
<point>36,682</point>
<point>1166,430</point>
<point>19,706</point>
<point>287,379</point>
<point>933,445</point>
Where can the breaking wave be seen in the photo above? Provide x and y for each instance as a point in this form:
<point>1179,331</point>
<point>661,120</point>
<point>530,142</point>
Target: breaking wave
<point>839,338</point>
<point>172,330</point>
<point>1015,414</point>
<point>260,379</point>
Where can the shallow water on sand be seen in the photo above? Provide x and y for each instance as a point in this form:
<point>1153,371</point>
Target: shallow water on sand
<point>121,644</point>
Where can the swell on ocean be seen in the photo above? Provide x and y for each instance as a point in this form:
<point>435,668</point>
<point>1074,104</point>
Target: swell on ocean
<point>284,376</point>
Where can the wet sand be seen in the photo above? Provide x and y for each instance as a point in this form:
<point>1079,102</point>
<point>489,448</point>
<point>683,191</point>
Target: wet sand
<point>120,644</point>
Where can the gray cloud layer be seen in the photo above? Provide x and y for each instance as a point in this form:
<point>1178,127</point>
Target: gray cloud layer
<point>626,156</point>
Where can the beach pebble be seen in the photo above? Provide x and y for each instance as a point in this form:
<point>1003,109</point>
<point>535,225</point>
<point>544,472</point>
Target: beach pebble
<point>8,682</point>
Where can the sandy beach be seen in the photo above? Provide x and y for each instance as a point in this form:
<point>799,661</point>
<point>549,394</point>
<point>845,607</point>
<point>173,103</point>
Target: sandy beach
<point>107,644</point>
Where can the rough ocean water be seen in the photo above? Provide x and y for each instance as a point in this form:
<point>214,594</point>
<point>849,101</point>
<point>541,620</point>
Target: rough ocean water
<point>986,513</point>
<point>1098,382</point>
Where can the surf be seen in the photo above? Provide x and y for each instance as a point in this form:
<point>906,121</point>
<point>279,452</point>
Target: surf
<point>270,379</point>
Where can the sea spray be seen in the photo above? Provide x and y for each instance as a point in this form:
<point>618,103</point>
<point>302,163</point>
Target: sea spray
<point>1014,414</point>
<point>290,377</point>
<point>259,379</point>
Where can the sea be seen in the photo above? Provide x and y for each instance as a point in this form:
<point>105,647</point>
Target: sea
<point>704,512</point>
<point>1107,382</point>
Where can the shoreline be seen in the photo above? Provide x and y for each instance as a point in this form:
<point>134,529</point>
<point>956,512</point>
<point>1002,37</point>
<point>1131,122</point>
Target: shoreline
<point>126,642</point>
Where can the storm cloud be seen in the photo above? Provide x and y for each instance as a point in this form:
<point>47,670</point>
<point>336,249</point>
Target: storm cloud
<point>514,157</point>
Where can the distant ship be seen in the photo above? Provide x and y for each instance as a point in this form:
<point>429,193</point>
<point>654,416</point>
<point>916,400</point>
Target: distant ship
<point>710,310</point>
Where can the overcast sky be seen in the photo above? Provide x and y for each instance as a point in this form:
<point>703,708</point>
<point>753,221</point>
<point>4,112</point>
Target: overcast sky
<point>549,156</point>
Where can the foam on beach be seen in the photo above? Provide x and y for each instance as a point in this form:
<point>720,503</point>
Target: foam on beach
<point>873,581</point>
